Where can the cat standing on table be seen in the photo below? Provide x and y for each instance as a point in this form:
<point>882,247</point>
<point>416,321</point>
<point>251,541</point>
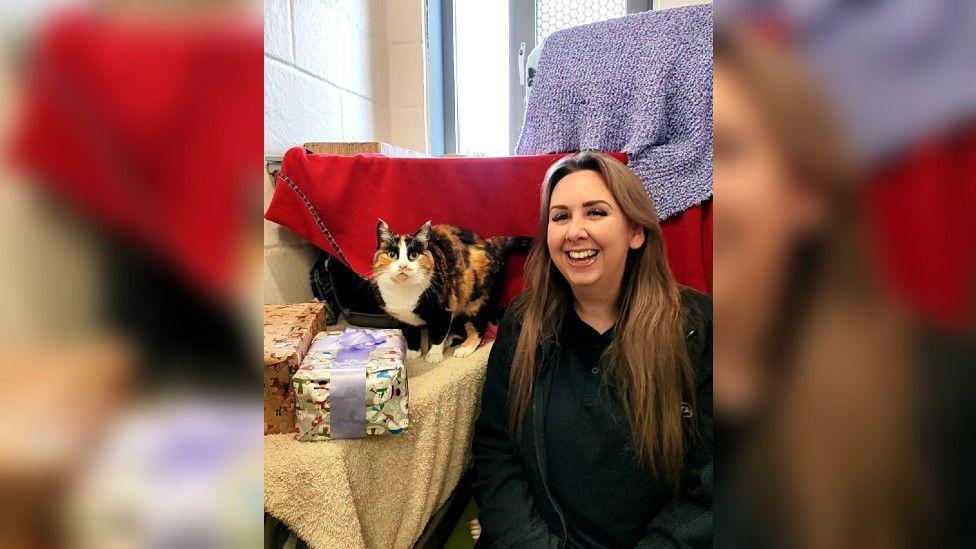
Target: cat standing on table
<point>442,277</point>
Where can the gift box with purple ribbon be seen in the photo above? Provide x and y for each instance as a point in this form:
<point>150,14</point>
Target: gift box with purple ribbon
<point>352,384</point>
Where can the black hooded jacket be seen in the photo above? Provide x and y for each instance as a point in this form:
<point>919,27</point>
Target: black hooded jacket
<point>513,487</point>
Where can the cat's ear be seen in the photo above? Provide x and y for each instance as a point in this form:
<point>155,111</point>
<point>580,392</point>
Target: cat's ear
<point>423,233</point>
<point>383,232</point>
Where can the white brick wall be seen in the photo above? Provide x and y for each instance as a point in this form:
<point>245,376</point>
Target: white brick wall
<point>336,70</point>
<point>344,70</point>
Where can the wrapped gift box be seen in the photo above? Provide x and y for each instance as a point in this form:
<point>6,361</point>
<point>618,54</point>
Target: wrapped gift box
<point>288,332</point>
<point>352,384</point>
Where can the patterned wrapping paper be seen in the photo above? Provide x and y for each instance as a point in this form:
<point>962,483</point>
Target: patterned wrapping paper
<point>288,332</point>
<point>385,407</point>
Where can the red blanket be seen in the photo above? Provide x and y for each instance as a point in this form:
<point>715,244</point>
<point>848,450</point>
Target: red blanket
<point>152,131</point>
<point>490,196</point>
<point>920,210</point>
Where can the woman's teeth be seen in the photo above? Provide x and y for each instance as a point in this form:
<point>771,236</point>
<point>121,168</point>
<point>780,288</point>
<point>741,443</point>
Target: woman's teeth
<point>581,258</point>
<point>585,254</point>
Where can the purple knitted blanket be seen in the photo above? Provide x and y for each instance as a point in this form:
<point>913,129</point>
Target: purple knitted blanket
<point>640,84</point>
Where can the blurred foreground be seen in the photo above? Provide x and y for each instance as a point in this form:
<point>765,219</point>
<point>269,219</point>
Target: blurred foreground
<point>131,136</point>
<point>845,273</point>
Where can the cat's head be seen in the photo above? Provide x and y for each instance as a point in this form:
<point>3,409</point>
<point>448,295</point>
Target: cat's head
<point>402,259</point>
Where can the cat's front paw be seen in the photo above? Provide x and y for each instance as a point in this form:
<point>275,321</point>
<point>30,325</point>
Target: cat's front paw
<point>435,354</point>
<point>464,350</point>
<point>412,355</point>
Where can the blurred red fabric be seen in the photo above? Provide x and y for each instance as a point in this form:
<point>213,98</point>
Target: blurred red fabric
<point>154,131</point>
<point>921,208</point>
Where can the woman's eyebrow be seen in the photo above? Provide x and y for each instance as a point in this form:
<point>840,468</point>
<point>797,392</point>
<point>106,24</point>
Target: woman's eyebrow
<point>586,204</point>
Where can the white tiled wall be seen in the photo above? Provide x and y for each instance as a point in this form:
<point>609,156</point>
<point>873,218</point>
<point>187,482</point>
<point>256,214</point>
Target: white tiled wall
<point>336,70</point>
<point>344,70</point>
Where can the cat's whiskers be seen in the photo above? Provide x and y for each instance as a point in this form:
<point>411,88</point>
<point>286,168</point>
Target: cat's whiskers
<point>430,282</point>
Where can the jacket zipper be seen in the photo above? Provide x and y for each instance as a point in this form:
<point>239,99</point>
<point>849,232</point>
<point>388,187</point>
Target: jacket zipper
<point>542,473</point>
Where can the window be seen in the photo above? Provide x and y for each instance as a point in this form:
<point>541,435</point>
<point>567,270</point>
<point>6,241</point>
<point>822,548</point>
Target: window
<point>553,15</point>
<point>533,20</point>
<point>481,77</point>
<point>475,50</point>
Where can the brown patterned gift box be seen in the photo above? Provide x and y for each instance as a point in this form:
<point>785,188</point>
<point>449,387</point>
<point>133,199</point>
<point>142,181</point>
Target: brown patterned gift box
<point>288,331</point>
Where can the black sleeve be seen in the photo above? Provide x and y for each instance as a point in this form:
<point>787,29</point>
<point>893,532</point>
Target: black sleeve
<point>686,521</point>
<point>506,507</point>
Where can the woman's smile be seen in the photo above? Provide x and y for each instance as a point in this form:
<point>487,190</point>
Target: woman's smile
<point>581,259</point>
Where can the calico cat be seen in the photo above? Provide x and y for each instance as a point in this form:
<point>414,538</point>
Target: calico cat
<point>442,277</point>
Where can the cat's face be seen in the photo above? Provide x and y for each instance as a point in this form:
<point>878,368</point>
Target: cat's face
<point>402,259</point>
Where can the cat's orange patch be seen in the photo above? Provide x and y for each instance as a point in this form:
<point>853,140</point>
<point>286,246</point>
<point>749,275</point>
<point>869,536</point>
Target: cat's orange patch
<point>381,261</point>
<point>447,232</point>
<point>473,339</point>
<point>473,276</point>
<point>473,307</point>
<point>479,261</point>
<point>426,263</point>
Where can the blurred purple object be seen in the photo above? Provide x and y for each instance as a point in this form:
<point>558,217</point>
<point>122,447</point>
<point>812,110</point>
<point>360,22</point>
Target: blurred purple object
<point>901,71</point>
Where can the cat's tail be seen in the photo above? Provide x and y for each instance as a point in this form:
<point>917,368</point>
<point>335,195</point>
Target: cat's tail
<point>505,246</point>
<point>510,244</point>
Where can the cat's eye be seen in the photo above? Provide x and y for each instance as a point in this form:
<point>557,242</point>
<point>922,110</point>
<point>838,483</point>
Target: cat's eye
<point>412,256</point>
<point>392,255</point>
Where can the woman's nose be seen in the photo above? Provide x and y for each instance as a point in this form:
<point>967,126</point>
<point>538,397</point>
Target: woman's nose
<point>577,230</point>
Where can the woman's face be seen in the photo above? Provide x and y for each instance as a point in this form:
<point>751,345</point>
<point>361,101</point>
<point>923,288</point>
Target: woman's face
<point>588,235</point>
<point>762,213</point>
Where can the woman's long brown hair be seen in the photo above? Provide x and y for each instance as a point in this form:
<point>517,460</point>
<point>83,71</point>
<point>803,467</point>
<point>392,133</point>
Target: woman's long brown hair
<point>836,464</point>
<point>647,358</point>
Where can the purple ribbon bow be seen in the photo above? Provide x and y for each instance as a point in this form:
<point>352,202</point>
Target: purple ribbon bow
<point>347,391</point>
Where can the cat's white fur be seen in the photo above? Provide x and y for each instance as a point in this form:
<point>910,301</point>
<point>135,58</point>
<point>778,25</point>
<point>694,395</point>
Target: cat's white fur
<point>436,353</point>
<point>401,298</point>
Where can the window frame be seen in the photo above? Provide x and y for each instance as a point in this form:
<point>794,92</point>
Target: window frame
<point>442,83</point>
<point>522,30</point>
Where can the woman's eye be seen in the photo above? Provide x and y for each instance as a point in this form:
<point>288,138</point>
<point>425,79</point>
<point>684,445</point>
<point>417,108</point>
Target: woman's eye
<point>392,255</point>
<point>560,217</point>
<point>412,256</point>
<point>600,213</point>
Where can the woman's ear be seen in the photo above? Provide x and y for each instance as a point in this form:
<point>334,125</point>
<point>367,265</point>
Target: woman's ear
<point>637,235</point>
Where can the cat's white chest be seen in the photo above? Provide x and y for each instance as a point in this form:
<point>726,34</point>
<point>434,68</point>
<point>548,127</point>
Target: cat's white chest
<point>400,301</point>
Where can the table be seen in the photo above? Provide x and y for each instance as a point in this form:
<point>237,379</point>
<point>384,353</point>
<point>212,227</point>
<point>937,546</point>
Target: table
<point>380,491</point>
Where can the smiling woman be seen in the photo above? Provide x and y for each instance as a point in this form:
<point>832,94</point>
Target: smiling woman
<point>595,424</point>
<point>589,239</point>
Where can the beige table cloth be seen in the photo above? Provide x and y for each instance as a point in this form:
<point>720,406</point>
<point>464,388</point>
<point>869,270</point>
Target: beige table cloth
<point>379,492</point>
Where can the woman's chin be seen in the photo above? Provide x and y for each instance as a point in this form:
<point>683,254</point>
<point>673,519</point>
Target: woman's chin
<point>581,280</point>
